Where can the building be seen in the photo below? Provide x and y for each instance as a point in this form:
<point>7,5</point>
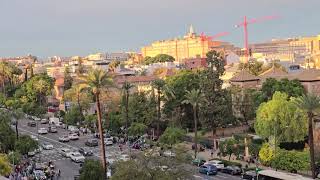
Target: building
<point>190,46</point>
<point>195,63</point>
<point>120,56</point>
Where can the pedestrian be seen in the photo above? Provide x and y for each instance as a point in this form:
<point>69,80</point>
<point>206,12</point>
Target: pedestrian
<point>211,153</point>
<point>59,172</point>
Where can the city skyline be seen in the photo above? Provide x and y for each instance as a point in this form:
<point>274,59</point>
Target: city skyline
<point>82,27</point>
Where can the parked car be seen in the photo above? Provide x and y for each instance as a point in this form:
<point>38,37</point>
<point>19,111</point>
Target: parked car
<point>217,163</point>
<point>64,138</point>
<point>53,129</point>
<point>44,121</point>
<point>198,161</point>
<point>85,151</point>
<point>65,152</point>
<point>169,153</point>
<point>108,141</point>
<point>31,153</point>
<point>73,136</point>
<point>39,174</point>
<point>77,157</point>
<point>32,124</point>
<point>233,170</point>
<point>91,142</point>
<point>42,131</point>
<point>36,118</point>
<point>47,146</point>
<point>124,157</point>
<point>251,175</point>
<point>34,137</point>
<point>208,169</point>
<point>199,146</point>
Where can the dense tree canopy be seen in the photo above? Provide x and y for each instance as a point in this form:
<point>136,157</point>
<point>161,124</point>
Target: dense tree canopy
<point>7,135</point>
<point>281,118</point>
<point>5,167</point>
<point>158,59</point>
<point>26,144</point>
<point>172,136</point>
<point>92,170</point>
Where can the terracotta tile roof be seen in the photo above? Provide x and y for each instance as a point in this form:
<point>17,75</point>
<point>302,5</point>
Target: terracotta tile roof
<point>308,75</point>
<point>59,81</point>
<point>243,76</point>
<point>274,72</point>
<point>167,72</point>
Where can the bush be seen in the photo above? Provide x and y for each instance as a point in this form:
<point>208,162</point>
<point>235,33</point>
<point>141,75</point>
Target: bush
<point>266,154</point>
<point>291,161</point>
<point>26,144</point>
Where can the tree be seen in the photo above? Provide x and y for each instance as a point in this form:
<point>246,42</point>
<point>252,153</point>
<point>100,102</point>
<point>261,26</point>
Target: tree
<point>255,67</point>
<point>14,157</point>
<point>158,85</point>
<point>137,129</point>
<point>26,144</point>
<point>228,147</point>
<point>266,154</point>
<point>310,104</point>
<point>243,102</point>
<point>126,90</point>
<point>92,170</point>
<point>113,65</point>
<point>160,58</point>
<point>281,119</point>
<point>5,167</point>
<point>7,135</point>
<point>292,87</point>
<point>195,98</point>
<point>16,114</point>
<point>172,136</point>
<point>67,79</point>
<point>217,109</point>
<point>97,80</point>
<point>177,86</point>
<point>73,116</point>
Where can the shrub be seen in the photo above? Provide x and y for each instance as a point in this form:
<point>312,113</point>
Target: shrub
<point>266,154</point>
<point>291,161</point>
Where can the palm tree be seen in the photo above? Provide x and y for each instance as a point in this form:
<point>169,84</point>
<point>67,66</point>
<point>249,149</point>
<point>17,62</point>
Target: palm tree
<point>195,98</point>
<point>97,80</point>
<point>310,103</point>
<point>17,115</point>
<point>41,87</point>
<point>158,85</point>
<point>126,89</point>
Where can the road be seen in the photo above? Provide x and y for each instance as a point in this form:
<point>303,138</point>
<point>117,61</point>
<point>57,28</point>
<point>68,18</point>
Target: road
<point>69,169</point>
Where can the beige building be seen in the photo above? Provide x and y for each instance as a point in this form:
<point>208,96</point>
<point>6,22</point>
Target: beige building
<point>190,46</point>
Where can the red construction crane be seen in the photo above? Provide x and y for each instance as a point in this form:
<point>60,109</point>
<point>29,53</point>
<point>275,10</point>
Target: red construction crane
<point>204,38</point>
<point>245,24</point>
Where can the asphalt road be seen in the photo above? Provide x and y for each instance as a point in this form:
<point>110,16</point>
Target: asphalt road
<point>69,169</point>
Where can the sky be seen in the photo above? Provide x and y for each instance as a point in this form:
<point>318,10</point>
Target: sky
<point>80,27</point>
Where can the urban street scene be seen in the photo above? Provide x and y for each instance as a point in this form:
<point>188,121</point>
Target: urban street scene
<point>159,90</point>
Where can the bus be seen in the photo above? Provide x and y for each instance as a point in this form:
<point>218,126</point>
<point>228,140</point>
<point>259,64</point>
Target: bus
<point>278,175</point>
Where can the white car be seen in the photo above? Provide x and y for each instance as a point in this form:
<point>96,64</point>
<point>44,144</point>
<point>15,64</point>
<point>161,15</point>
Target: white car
<point>36,118</point>
<point>124,157</point>
<point>47,146</point>
<point>216,163</point>
<point>108,141</point>
<point>64,138</point>
<point>73,136</point>
<point>65,152</point>
<point>34,137</point>
<point>42,131</point>
<point>169,154</point>
<point>77,157</point>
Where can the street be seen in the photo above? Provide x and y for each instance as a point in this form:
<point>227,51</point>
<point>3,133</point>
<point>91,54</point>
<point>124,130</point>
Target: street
<point>68,168</point>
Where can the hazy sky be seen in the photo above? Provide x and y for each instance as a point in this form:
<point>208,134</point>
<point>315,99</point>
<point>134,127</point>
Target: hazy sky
<point>79,27</point>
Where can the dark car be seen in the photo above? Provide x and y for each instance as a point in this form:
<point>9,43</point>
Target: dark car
<point>32,124</point>
<point>91,142</point>
<point>85,151</point>
<point>251,175</point>
<point>233,170</point>
<point>208,169</point>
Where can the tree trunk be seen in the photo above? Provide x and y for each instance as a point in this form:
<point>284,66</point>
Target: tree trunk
<point>26,74</point>
<point>311,145</point>
<point>213,131</point>
<point>195,131</point>
<point>17,132</point>
<point>79,105</point>
<point>158,115</point>
<point>127,121</point>
<point>103,153</point>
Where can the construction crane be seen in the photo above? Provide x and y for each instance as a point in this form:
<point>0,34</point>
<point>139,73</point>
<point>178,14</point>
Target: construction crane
<point>245,24</point>
<point>204,38</point>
